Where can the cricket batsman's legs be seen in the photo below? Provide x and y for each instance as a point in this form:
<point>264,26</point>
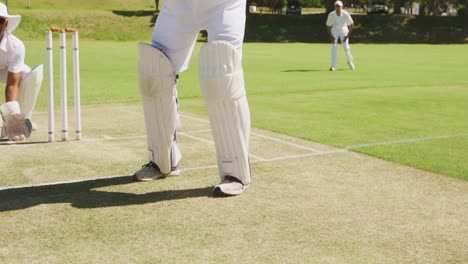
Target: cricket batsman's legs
<point>222,86</point>
<point>173,39</point>
<point>157,83</point>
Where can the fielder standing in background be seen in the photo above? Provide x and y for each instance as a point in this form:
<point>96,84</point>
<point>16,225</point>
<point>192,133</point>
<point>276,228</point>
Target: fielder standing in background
<point>221,83</point>
<point>22,83</point>
<point>339,27</point>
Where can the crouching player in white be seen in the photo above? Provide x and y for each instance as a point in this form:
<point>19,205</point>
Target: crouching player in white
<point>221,81</point>
<point>339,26</point>
<point>22,83</point>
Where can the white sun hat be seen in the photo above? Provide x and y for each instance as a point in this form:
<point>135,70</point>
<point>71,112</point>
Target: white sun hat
<point>13,20</point>
<point>339,3</point>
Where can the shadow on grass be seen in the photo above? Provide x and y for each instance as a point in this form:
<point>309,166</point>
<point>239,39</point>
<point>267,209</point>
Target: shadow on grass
<point>82,195</point>
<point>132,13</point>
<point>10,143</point>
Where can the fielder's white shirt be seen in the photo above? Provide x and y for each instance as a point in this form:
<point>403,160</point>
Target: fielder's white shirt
<point>12,53</point>
<point>339,24</point>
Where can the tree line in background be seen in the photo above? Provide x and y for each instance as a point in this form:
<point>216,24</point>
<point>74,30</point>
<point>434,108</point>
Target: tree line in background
<point>426,7</point>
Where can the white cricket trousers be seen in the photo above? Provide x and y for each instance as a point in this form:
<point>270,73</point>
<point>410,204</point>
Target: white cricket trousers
<point>346,47</point>
<point>180,21</point>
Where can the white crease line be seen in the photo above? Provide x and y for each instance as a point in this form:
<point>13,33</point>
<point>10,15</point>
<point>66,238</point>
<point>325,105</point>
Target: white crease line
<point>273,159</point>
<point>212,143</point>
<point>323,153</point>
<point>196,138</point>
<point>348,147</point>
<point>183,170</point>
<point>286,142</point>
<point>107,137</point>
<point>257,157</point>
<point>196,131</point>
<point>258,161</point>
<point>409,140</point>
<point>196,118</point>
<point>263,136</point>
<point>200,168</point>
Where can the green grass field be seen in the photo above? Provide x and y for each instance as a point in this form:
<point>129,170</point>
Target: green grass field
<point>397,93</point>
<point>70,5</point>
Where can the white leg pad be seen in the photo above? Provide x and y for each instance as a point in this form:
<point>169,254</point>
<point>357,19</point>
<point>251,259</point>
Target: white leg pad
<point>222,86</point>
<point>29,89</point>
<point>157,82</point>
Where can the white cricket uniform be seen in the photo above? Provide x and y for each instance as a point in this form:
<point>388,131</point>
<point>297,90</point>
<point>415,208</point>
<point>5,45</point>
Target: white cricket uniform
<point>12,54</point>
<point>175,34</point>
<point>180,22</point>
<point>339,29</point>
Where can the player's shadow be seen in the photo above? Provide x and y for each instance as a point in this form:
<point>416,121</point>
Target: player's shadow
<point>6,142</point>
<point>134,13</point>
<point>83,195</point>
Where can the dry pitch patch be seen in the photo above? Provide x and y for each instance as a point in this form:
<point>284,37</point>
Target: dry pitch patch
<point>308,202</point>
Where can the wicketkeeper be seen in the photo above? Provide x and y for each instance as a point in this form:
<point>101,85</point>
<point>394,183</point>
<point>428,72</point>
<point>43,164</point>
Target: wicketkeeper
<point>221,82</point>
<point>339,27</point>
<point>22,83</point>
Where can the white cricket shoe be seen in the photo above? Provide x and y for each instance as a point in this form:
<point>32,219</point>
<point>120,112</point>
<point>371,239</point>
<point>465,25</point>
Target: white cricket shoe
<point>351,66</point>
<point>332,68</point>
<point>229,186</point>
<point>151,171</point>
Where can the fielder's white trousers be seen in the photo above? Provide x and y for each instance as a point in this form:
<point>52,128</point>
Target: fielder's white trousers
<point>180,22</point>
<point>346,47</point>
